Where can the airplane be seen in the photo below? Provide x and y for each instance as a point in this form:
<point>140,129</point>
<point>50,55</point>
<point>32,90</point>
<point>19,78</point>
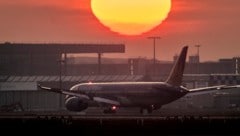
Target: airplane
<point>148,96</point>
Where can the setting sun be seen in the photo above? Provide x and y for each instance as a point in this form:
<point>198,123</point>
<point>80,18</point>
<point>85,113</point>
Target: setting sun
<point>131,17</point>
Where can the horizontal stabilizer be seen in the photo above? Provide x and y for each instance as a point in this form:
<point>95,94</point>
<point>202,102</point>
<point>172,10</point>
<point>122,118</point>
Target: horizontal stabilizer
<point>207,90</point>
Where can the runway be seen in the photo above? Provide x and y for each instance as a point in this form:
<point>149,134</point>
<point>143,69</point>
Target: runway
<point>125,122</point>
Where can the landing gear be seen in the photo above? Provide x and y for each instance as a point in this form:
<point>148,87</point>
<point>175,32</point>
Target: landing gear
<point>149,109</point>
<point>145,111</point>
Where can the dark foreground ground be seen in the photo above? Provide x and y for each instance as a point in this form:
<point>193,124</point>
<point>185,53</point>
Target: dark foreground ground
<point>120,124</point>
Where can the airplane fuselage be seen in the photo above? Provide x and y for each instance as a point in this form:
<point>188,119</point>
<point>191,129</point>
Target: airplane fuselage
<point>146,95</point>
<point>133,94</point>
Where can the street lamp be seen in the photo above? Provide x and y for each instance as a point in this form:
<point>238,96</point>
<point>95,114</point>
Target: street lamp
<point>154,38</point>
<point>198,46</point>
<point>60,80</point>
<point>60,72</point>
<point>198,58</point>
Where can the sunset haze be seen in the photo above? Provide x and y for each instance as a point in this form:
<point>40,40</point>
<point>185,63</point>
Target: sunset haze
<point>213,24</point>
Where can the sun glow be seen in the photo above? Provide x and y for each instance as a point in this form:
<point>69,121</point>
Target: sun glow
<point>131,17</point>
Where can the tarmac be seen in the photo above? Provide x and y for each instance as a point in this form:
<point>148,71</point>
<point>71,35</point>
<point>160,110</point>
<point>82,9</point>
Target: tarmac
<point>126,122</point>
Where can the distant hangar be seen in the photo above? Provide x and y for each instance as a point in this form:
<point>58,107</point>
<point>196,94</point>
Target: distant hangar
<point>44,58</point>
<point>59,48</point>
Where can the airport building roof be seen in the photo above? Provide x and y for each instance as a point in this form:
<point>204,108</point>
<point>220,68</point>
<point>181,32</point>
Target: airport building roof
<point>102,78</point>
<point>93,78</point>
<point>51,48</point>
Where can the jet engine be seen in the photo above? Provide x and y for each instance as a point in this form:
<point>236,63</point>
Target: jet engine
<point>76,104</point>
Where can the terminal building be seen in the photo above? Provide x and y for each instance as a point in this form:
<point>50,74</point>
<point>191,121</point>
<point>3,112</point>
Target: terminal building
<point>23,66</point>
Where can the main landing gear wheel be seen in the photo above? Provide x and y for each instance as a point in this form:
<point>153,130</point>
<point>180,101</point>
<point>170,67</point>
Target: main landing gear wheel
<point>145,111</point>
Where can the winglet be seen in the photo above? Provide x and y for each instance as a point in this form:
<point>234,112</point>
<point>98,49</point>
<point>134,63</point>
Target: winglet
<point>176,75</point>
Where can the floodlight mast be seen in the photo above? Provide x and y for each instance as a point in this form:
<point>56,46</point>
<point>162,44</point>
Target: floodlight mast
<point>154,38</point>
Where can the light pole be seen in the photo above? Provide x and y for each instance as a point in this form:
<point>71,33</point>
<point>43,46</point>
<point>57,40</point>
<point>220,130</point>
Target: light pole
<point>60,80</point>
<point>60,72</point>
<point>198,58</point>
<point>154,38</point>
<point>198,46</point>
<point>99,63</point>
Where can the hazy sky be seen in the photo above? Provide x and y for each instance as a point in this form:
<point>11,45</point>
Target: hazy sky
<point>214,24</point>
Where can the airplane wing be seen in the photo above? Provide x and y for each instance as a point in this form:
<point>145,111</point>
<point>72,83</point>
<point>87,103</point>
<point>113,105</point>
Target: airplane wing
<point>81,95</point>
<point>212,89</point>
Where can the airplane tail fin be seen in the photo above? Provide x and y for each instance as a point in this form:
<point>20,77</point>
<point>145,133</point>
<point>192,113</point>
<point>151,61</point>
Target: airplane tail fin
<point>176,75</point>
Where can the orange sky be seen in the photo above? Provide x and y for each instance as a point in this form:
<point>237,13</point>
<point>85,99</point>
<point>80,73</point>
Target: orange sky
<point>212,23</point>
